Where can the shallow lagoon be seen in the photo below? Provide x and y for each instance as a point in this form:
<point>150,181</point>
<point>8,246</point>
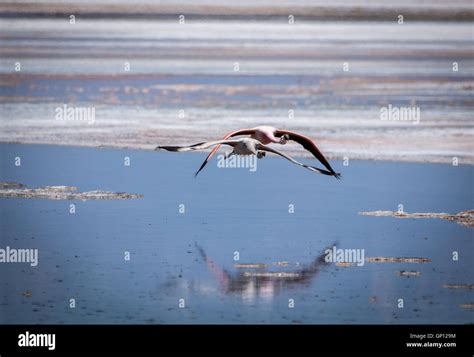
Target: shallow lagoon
<point>190,256</point>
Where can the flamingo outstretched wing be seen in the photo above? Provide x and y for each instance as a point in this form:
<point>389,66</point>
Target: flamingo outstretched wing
<point>198,146</point>
<point>309,145</point>
<point>289,158</point>
<point>228,135</point>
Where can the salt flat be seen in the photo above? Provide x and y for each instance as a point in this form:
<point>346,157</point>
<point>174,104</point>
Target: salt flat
<point>155,81</point>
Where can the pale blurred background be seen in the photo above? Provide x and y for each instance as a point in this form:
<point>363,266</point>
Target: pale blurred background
<point>152,79</point>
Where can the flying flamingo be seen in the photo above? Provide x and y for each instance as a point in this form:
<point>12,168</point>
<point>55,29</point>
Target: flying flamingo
<point>244,146</point>
<point>268,134</point>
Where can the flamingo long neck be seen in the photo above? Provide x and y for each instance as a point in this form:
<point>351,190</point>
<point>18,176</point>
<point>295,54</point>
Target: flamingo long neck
<point>265,135</point>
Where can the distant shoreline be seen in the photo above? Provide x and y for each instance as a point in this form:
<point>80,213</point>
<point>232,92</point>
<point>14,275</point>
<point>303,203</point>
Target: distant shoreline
<point>267,11</point>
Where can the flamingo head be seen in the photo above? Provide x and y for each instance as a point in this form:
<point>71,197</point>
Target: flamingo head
<point>284,139</point>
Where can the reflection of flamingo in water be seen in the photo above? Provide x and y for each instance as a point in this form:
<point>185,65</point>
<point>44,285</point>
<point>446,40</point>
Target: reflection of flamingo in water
<point>265,285</point>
